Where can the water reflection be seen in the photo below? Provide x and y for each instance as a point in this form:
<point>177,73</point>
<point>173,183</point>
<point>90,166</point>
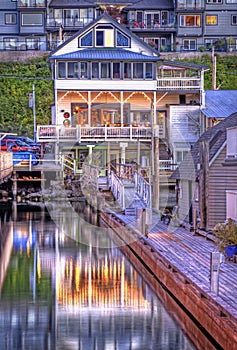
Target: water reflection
<point>60,294</point>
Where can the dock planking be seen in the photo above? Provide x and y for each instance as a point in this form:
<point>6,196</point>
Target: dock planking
<point>190,254</point>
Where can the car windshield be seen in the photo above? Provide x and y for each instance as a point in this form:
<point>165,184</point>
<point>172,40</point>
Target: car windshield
<point>21,143</point>
<point>28,140</point>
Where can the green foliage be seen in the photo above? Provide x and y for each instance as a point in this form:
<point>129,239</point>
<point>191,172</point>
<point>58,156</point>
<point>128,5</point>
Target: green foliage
<point>226,68</point>
<point>226,235</point>
<point>16,84</point>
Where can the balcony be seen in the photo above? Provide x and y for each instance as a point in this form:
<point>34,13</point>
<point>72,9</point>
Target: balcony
<point>58,133</point>
<point>68,22</point>
<point>31,4</point>
<point>174,84</point>
<point>151,25</point>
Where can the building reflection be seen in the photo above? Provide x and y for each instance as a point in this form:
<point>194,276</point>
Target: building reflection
<point>61,294</point>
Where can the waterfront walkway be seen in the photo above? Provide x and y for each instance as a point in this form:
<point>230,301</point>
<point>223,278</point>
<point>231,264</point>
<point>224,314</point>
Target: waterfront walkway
<point>186,261</point>
<point>191,253</point>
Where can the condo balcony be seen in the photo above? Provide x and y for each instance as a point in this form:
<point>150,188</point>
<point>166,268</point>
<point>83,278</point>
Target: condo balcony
<point>31,3</point>
<point>57,133</point>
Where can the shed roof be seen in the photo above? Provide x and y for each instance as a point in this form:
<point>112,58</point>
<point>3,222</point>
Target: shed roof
<point>220,104</point>
<point>105,54</point>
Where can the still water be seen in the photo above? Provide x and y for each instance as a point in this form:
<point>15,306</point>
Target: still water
<point>58,292</point>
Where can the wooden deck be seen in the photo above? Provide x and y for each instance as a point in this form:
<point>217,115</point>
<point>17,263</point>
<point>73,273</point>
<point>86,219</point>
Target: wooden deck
<point>181,261</point>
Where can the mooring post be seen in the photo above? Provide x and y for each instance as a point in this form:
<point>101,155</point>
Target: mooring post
<point>216,260</point>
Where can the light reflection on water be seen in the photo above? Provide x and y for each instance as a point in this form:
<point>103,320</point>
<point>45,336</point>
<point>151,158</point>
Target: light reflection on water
<point>60,294</point>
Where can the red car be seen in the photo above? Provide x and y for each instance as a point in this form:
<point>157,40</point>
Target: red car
<point>14,146</point>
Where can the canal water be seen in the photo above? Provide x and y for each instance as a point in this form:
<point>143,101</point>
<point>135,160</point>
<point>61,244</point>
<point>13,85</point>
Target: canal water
<point>60,292</point>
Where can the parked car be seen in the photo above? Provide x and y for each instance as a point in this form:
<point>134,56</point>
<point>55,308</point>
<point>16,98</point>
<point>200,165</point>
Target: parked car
<point>14,146</point>
<point>35,145</point>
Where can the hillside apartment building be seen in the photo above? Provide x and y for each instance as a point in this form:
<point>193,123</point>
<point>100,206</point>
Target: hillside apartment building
<point>182,25</point>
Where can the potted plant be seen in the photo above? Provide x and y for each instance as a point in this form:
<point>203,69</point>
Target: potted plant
<point>226,234</point>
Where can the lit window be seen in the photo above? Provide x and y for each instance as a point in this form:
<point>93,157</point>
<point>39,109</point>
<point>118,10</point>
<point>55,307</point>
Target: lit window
<point>190,21</point>
<point>211,20</point>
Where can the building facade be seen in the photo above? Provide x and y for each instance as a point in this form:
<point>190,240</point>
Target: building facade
<point>167,26</point>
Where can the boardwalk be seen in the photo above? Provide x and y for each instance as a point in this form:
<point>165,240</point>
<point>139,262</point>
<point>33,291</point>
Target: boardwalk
<point>180,260</point>
<point>190,254</point>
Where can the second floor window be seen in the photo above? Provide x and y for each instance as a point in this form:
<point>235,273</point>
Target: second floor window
<point>30,19</point>
<point>10,18</point>
<point>234,20</point>
<point>190,21</point>
<point>211,20</point>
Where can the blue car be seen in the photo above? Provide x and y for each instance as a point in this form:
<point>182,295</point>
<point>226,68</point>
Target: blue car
<point>18,157</point>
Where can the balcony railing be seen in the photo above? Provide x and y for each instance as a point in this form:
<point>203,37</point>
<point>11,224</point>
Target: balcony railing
<point>69,22</point>
<point>54,133</point>
<point>152,25</point>
<point>178,84</point>
<point>31,3</point>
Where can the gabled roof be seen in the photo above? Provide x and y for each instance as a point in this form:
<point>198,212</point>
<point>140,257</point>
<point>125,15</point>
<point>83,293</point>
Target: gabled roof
<point>106,55</point>
<point>216,136</point>
<point>220,104</point>
<point>142,45</point>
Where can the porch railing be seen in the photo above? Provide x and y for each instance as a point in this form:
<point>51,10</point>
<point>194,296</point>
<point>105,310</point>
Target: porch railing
<point>179,84</point>
<point>55,133</point>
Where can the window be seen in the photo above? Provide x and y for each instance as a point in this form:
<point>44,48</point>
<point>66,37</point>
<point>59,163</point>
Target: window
<point>83,70</point>
<point>61,70</point>
<point>189,44</point>
<point>71,17</point>
<point>161,119</point>
<point>234,20</point>
<point>148,72</point>
<point>72,70</point>
<point>190,21</point>
<point>105,70</point>
<point>10,18</point>
<point>122,40</point>
<point>180,155</point>
<point>10,43</point>
<point>127,71</point>
<point>152,18</point>
<point>33,43</point>
<point>104,36</point>
<point>95,70</point>
<point>153,42</point>
<point>116,70</point>
<point>231,1</point>
<point>211,20</point>
<point>138,70</point>
<point>214,1</point>
<point>87,40</point>
<point>32,19</point>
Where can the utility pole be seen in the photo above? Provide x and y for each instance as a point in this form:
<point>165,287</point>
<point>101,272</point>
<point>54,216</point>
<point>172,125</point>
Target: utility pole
<point>213,69</point>
<point>34,113</point>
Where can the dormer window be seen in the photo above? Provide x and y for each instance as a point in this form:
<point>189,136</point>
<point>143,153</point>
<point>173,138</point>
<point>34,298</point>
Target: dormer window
<point>104,36</point>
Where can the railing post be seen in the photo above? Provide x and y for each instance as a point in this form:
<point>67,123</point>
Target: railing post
<point>74,166</point>
<point>30,162</point>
